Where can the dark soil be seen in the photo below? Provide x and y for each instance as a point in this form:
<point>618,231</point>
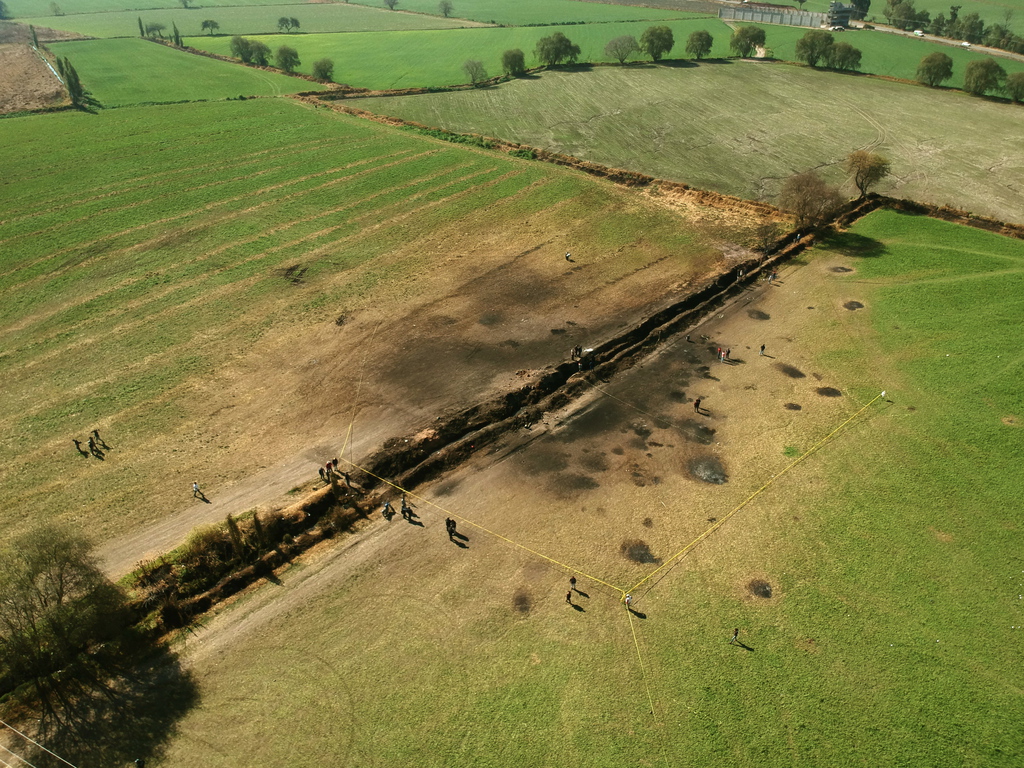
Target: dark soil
<point>828,392</point>
<point>709,470</point>
<point>521,601</point>
<point>595,462</point>
<point>853,305</point>
<point>648,523</point>
<point>757,314</point>
<point>697,433</point>
<point>638,551</point>
<point>841,269</point>
<point>792,407</point>
<point>760,588</point>
<point>789,370</point>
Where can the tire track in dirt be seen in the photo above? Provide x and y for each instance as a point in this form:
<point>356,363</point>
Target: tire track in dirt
<point>132,184</point>
<point>158,240</point>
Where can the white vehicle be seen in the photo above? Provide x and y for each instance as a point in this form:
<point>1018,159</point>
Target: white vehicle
<point>965,44</point>
<point>918,33</point>
<point>836,29</point>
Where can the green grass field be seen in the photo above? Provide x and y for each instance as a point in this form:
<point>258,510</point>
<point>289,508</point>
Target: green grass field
<point>133,71</point>
<point>143,265</point>
<point>537,11</point>
<point>742,128</point>
<point>435,57</point>
<point>246,20</point>
<point>891,638</point>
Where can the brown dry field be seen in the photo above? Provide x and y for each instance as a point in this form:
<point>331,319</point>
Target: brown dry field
<point>26,82</point>
<point>473,310</point>
<point>615,468</point>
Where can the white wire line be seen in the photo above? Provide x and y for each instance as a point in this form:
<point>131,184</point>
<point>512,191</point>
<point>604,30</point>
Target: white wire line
<point>33,741</point>
<point>17,756</point>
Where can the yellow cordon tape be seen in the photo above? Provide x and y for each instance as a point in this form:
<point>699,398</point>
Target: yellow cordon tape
<point>750,498</point>
<point>487,530</point>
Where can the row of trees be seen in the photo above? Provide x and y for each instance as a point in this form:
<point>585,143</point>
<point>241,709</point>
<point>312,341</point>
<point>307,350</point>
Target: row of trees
<point>813,202</point>
<point>980,77</point>
<point>819,46</point>
<point>210,26</point>
<point>903,14</point>
<point>286,58</point>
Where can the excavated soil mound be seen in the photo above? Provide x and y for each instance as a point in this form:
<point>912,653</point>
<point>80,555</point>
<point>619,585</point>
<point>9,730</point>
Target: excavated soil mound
<point>708,469</point>
<point>760,588</point>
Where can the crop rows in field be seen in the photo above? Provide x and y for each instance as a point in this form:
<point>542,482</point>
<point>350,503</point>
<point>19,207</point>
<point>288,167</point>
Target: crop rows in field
<point>134,71</point>
<point>742,128</point>
<point>246,20</point>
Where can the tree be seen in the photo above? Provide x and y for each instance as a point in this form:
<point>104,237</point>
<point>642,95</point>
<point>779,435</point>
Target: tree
<point>813,47</point>
<point>69,75</point>
<point>474,71</point>
<point>287,24</point>
<point>446,8</point>
<point>56,10</point>
<point>621,48</point>
<point>241,48</point>
<point>867,168</point>
<point>155,28</point>
<point>938,26</point>
<point>699,43</point>
<point>59,618</point>
<point>862,7</point>
<point>4,13</point>
<point>210,26</point>
<point>934,68</point>
<point>35,39</point>
<point>260,53</point>
<point>186,3</point>
<point>766,235</point>
<point>555,49</point>
<point>1015,86</point>
<point>323,70</point>
<point>142,29</point>
<point>809,199</point>
<point>843,56</point>
<point>983,76</point>
<point>391,4</point>
<point>176,35</point>
<point>287,58</point>
<point>745,39</point>
<point>513,62</point>
<point>656,42</point>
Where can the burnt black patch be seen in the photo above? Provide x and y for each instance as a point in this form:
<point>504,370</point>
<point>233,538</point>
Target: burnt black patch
<point>510,343</point>
<point>521,602</point>
<point>294,273</point>
<point>638,551</point>
<point>490,318</point>
<point>678,395</point>
<point>572,481</point>
<point>760,588</point>
<point>594,462</point>
<point>828,392</point>
<point>618,450</point>
<point>709,470</point>
<point>757,314</point>
<point>545,459</point>
<point>648,523</point>
<point>641,430</point>
<point>603,416</point>
<point>695,432</point>
<point>853,305</point>
<point>558,331</point>
<point>792,407</point>
<point>789,370</point>
<point>841,269</point>
<point>340,320</point>
<point>446,488</point>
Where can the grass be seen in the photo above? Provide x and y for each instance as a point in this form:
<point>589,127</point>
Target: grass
<point>146,264</point>
<point>133,71</point>
<point>435,57</point>
<point>891,638</point>
<point>539,11</point>
<point>246,20</point>
<point>730,127</point>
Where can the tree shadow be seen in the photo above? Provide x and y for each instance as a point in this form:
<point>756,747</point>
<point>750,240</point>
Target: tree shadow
<point>853,244</point>
<point>132,716</point>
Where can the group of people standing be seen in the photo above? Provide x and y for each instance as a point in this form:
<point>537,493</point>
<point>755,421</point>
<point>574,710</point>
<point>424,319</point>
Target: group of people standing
<point>95,443</point>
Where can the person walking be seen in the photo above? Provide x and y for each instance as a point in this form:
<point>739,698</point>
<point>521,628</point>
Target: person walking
<point>735,636</point>
<point>195,489</point>
<point>572,583</point>
<point>568,256</point>
<point>696,405</point>
<point>406,509</point>
<point>323,475</point>
<point>387,513</point>
<point>762,350</point>
<point>629,600</point>
<point>728,354</point>
<point>568,597</point>
<point>719,353</point>
<point>92,446</point>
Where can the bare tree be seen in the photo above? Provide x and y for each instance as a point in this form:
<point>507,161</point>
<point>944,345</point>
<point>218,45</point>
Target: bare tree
<point>391,4</point>
<point>446,8</point>
<point>810,199</point>
<point>621,48</point>
<point>475,71</point>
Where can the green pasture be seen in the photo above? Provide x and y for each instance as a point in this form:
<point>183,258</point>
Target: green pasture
<point>887,54</point>
<point>247,20</point>
<point>891,637</point>
<point>143,249</point>
<point>743,127</point>
<point>36,8</point>
<point>435,57</point>
<point>536,11</point>
<point>134,71</point>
